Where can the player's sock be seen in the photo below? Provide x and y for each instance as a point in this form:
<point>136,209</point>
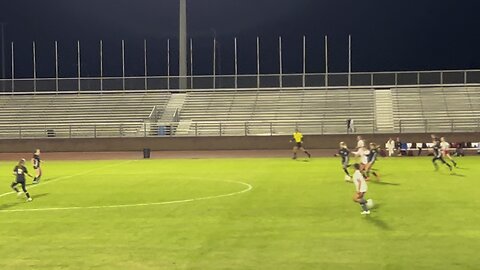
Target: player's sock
<point>27,194</point>
<point>294,156</point>
<point>346,172</point>
<point>363,204</point>
<point>308,154</point>
<point>454,163</point>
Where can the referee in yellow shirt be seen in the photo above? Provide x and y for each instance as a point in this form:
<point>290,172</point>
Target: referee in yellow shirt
<point>298,139</point>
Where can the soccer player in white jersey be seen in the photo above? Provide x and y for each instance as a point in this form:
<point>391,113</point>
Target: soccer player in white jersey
<point>445,146</point>
<point>361,189</point>
<point>360,142</point>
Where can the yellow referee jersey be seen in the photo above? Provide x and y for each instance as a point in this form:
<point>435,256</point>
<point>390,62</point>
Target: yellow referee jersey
<point>298,137</point>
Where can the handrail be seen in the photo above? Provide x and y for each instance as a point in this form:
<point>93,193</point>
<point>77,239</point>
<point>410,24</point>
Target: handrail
<point>248,75</point>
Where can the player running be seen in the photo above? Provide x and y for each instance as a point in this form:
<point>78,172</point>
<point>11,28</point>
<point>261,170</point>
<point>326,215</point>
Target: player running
<point>437,155</point>
<point>344,153</point>
<point>371,158</point>
<point>445,146</point>
<point>361,189</point>
<point>360,143</point>
<point>19,171</point>
<point>36,166</point>
<point>298,139</point>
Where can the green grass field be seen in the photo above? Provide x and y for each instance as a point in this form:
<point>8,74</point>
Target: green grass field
<point>298,215</point>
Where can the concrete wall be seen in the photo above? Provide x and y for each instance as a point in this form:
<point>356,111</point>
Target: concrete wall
<point>209,143</point>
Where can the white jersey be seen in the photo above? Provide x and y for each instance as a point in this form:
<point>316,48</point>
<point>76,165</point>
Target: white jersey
<point>444,146</point>
<point>364,157</point>
<point>359,181</point>
<point>360,144</point>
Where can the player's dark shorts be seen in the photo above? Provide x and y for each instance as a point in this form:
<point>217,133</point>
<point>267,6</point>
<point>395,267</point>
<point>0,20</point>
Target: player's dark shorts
<point>20,182</point>
<point>299,144</point>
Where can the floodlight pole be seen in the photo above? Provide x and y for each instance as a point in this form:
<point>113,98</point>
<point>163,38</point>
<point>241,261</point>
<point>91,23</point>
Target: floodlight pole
<point>168,64</point>
<point>101,66</point>
<point>183,45</point>
<point>326,61</point>
<point>56,66</point>
<point>13,68</point>
<point>34,55</point>
<point>79,67</point>
<point>349,61</point>
<point>2,25</point>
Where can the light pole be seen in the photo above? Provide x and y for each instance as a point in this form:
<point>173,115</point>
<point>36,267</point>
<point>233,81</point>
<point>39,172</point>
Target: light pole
<point>182,61</point>
<point>3,54</point>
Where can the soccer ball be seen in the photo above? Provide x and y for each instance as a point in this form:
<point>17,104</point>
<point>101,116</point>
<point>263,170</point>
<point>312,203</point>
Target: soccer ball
<point>370,203</point>
<point>348,178</point>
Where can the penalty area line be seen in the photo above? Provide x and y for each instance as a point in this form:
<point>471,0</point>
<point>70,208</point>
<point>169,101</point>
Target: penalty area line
<point>248,188</point>
<point>68,177</point>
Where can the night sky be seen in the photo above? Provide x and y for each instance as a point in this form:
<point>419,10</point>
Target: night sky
<point>387,35</point>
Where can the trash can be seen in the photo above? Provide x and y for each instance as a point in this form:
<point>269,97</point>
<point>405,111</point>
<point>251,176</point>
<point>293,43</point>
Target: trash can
<point>146,152</point>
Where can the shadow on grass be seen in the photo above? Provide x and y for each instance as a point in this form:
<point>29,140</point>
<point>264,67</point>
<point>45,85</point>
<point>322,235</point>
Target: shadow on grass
<point>10,205</point>
<point>21,200</point>
<point>378,222</point>
<point>42,180</point>
<point>36,196</point>
<point>457,174</point>
<point>384,183</point>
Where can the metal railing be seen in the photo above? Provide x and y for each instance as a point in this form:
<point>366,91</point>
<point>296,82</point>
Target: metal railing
<point>212,82</point>
<point>230,128</point>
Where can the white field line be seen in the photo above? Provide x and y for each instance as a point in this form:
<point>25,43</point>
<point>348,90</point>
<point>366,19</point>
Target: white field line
<point>69,176</point>
<point>247,189</point>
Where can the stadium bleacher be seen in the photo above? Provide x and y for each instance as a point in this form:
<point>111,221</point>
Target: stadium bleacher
<point>241,112</point>
<point>31,116</point>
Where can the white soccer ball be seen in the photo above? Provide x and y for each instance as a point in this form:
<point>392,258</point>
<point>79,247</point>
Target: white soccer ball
<point>348,178</point>
<point>370,203</point>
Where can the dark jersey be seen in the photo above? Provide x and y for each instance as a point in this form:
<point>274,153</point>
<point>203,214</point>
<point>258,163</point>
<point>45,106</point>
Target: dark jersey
<point>372,156</point>
<point>36,161</point>
<point>20,172</point>
<point>437,149</point>
<point>344,153</point>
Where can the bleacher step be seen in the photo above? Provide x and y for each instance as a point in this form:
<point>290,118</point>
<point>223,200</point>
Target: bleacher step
<point>384,111</point>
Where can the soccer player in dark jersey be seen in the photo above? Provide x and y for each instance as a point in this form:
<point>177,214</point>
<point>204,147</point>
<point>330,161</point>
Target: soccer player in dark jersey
<point>437,154</point>
<point>344,153</point>
<point>19,171</point>
<point>372,157</point>
<point>298,139</point>
<point>36,166</point>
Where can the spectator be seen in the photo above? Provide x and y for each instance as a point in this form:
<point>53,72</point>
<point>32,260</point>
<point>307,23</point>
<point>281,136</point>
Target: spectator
<point>398,147</point>
<point>459,152</point>
<point>350,127</point>
<point>390,146</point>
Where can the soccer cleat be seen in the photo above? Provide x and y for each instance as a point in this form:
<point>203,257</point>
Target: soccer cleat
<point>309,156</point>
<point>19,193</point>
<point>29,199</point>
<point>366,212</point>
